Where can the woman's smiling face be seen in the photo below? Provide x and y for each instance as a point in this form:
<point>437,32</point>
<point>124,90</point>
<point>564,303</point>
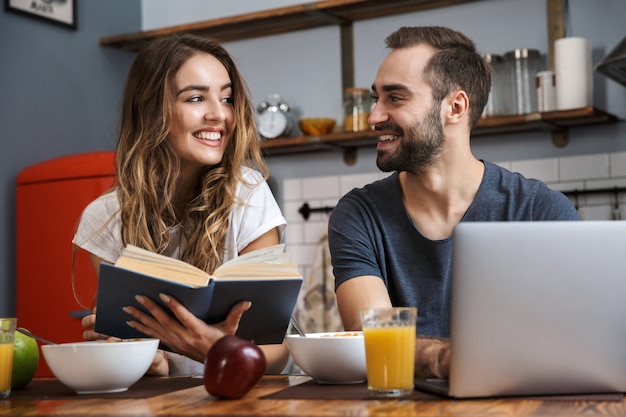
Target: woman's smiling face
<point>203,118</point>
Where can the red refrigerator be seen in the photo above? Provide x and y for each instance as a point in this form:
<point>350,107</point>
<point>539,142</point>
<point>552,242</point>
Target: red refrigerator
<point>50,196</point>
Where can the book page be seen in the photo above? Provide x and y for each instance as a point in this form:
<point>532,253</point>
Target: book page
<point>265,263</point>
<point>161,266</point>
<point>134,252</point>
<point>258,271</point>
<point>170,272</point>
<point>274,253</point>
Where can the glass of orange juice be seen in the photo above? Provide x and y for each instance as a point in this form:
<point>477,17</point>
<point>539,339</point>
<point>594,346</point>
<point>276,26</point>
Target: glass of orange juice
<point>7,332</point>
<point>389,335</point>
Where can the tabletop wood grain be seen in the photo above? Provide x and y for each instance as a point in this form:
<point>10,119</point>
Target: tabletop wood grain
<point>196,402</point>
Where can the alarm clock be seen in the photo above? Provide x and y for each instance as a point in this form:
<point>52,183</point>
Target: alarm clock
<point>274,118</point>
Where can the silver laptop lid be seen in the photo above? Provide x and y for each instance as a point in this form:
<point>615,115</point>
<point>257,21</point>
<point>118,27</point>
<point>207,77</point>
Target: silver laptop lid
<point>538,308</point>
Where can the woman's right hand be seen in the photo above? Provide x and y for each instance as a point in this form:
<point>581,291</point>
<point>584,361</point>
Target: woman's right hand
<point>184,333</point>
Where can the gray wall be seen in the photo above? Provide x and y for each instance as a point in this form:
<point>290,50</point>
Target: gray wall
<point>60,91</point>
<point>59,95</point>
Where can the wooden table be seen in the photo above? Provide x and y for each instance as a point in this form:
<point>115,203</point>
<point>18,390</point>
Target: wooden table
<point>196,402</point>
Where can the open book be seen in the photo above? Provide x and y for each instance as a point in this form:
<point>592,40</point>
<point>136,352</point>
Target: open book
<point>265,277</point>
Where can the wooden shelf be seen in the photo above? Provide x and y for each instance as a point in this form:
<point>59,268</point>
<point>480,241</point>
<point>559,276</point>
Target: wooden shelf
<point>332,141</point>
<point>548,121</point>
<point>343,13</point>
<point>553,121</point>
<point>281,20</point>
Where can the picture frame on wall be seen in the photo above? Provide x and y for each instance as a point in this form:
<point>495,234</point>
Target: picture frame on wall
<point>58,12</point>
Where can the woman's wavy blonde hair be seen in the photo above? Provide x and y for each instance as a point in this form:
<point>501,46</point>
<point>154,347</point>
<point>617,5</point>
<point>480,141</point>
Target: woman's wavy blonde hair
<point>148,169</point>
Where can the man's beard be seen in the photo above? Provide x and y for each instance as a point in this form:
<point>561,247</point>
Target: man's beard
<point>421,145</point>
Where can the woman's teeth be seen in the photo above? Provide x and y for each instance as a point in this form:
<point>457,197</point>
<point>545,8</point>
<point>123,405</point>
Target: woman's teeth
<point>208,135</point>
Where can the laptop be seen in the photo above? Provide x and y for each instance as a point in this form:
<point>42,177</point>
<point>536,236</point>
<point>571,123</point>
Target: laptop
<point>537,308</point>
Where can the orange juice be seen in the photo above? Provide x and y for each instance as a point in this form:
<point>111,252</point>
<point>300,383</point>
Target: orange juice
<point>390,357</point>
<point>6,365</point>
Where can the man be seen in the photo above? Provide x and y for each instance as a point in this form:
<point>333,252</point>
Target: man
<point>391,240</point>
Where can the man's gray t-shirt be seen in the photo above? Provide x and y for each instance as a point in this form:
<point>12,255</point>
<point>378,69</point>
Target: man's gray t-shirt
<point>370,233</point>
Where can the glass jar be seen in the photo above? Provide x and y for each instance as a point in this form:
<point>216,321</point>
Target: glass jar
<point>497,103</point>
<point>522,65</point>
<point>357,107</point>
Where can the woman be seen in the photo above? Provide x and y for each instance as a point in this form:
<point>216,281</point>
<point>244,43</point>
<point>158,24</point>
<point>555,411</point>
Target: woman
<point>191,185</point>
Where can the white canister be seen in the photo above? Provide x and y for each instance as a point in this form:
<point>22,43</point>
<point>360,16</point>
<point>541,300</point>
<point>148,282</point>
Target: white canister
<point>546,91</point>
<point>574,73</point>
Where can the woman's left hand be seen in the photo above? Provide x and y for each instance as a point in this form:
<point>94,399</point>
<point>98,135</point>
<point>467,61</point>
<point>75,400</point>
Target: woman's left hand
<point>185,333</point>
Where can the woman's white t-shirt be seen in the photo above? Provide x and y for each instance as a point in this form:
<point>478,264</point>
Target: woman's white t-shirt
<point>255,212</point>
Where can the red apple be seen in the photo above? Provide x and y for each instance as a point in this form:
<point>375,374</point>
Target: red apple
<point>232,367</point>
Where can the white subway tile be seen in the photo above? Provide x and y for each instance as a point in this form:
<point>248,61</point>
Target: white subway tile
<point>313,231</point>
<point>604,198</point>
<point>330,202</point>
<point>545,170</point>
<point>593,166</point>
<point>290,211</point>
<point>349,182</point>
<point>320,187</point>
<point>597,213</point>
<point>618,164</point>
<point>294,233</point>
<point>292,189</point>
<point>605,184</point>
<point>302,254</point>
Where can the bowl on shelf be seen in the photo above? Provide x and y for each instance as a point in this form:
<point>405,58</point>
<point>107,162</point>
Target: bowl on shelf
<point>312,126</point>
<point>100,366</point>
<point>330,358</point>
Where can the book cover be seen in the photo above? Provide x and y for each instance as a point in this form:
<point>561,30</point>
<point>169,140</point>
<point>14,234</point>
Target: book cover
<point>266,322</point>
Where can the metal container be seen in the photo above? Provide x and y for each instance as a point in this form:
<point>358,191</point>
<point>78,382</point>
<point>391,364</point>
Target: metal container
<point>522,65</point>
<point>498,103</point>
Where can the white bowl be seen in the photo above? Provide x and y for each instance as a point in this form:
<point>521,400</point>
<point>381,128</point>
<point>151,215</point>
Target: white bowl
<point>330,358</point>
<point>100,366</point>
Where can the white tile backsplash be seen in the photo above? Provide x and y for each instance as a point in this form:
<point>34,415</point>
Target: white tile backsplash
<point>545,170</point>
<point>594,171</point>
<point>618,164</point>
<point>294,233</point>
<point>320,187</point>
<point>584,167</point>
<point>349,182</point>
<point>292,189</point>
<point>602,212</point>
<point>291,210</point>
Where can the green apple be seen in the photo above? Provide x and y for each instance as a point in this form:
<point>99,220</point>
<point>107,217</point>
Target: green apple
<point>25,360</point>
